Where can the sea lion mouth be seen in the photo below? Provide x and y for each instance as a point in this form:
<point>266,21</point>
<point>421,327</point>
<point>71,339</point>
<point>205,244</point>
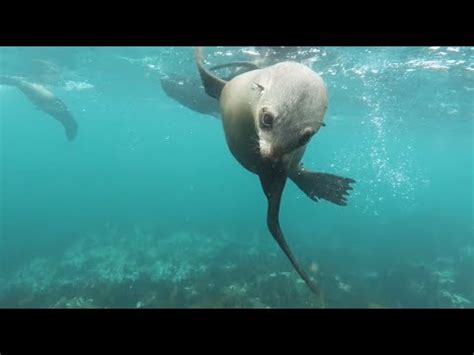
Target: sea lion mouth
<point>277,157</point>
<point>278,152</point>
<point>277,161</point>
<point>282,152</point>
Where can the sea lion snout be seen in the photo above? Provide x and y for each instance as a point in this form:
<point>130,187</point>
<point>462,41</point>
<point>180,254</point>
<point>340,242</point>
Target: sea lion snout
<point>275,152</point>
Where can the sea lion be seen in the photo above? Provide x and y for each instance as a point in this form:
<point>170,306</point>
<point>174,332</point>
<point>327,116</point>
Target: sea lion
<point>269,116</point>
<point>45,101</point>
<point>188,91</point>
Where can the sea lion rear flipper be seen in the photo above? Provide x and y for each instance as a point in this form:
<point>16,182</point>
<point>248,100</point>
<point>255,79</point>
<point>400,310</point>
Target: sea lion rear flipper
<point>60,112</point>
<point>212,84</point>
<point>322,185</point>
<point>273,183</point>
<point>70,126</point>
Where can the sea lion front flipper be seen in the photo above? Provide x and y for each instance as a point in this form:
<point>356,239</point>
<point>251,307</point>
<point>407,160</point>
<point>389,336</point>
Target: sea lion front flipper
<point>273,183</point>
<point>322,185</point>
<point>213,85</point>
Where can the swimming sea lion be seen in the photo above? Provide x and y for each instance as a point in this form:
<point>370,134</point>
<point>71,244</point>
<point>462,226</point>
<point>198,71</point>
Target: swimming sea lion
<point>269,116</point>
<point>46,101</point>
<point>188,91</point>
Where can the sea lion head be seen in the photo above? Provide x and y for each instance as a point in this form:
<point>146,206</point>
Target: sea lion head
<point>290,104</point>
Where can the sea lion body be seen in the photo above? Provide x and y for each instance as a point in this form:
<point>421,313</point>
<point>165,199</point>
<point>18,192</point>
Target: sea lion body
<point>45,101</point>
<point>269,116</point>
<point>188,92</point>
<point>241,100</point>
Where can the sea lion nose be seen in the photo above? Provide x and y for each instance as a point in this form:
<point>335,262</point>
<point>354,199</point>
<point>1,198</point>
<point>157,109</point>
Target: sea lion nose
<point>306,134</point>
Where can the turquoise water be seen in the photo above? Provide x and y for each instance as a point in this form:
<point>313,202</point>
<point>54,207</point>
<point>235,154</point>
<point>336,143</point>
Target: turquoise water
<point>148,208</point>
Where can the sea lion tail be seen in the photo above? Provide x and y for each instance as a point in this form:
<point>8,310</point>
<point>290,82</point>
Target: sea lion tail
<point>213,85</point>
<point>330,187</point>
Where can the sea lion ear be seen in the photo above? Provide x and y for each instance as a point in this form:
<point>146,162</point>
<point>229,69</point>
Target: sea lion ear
<point>257,87</point>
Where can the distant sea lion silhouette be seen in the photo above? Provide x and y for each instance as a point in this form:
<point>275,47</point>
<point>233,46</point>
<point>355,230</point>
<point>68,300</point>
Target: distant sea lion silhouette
<point>45,101</point>
<point>269,116</point>
<point>188,91</point>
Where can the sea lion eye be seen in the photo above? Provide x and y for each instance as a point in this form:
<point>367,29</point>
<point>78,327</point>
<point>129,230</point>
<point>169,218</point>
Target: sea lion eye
<point>267,120</point>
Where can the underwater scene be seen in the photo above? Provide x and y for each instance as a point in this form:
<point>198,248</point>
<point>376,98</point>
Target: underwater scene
<point>236,177</point>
